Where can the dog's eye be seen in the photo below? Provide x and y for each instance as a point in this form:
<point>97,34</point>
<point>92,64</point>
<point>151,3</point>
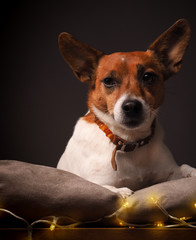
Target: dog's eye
<point>149,78</point>
<point>109,82</point>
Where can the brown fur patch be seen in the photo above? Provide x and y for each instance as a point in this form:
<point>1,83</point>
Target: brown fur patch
<point>89,117</point>
<point>123,68</point>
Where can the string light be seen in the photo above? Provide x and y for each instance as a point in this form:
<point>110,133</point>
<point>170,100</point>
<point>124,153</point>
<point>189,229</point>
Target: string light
<point>125,204</point>
<point>185,218</point>
<point>154,200</point>
<point>180,221</point>
<point>53,224</point>
<point>52,227</point>
<point>159,224</point>
<point>121,223</point>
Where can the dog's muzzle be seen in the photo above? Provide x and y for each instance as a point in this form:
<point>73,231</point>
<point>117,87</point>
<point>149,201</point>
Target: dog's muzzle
<point>132,111</point>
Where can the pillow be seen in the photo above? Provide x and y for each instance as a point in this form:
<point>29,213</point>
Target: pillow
<point>33,191</point>
<point>177,197</point>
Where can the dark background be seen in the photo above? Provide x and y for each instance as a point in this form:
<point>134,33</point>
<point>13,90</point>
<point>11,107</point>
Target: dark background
<point>41,99</point>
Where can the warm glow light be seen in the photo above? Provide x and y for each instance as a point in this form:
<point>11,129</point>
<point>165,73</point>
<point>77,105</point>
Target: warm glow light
<point>184,218</point>
<point>159,224</point>
<point>125,204</point>
<point>154,199</point>
<point>132,227</point>
<point>52,227</point>
<point>121,223</point>
<point>150,198</point>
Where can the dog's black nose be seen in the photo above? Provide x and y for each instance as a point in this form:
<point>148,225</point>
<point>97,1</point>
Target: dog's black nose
<point>132,108</point>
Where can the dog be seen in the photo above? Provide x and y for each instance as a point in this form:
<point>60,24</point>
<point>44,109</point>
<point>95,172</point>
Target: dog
<point>119,143</point>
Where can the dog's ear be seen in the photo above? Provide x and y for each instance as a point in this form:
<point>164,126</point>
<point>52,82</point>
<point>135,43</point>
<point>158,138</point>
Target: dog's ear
<point>171,46</point>
<point>82,58</point>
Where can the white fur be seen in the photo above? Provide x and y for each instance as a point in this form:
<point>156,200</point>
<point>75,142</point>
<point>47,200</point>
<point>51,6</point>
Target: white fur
<point>89,152</point>
<point>115,122</point>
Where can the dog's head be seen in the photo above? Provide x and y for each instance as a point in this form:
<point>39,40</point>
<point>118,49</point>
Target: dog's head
<point>127,87</point>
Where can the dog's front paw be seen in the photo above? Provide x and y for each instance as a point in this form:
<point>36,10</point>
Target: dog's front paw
<point>124,192</point>
<point>193,173</point>
<point>188,171</point>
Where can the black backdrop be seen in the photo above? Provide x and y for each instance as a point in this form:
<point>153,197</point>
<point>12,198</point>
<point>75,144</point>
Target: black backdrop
<point>41,99</point>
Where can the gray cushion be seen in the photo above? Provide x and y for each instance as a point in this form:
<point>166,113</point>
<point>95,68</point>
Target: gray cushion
<point>34,191</point>
<point>177,197</point>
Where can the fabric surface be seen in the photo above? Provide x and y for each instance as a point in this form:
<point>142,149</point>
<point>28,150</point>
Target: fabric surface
<point>34,191</point>
<point>177,197</point>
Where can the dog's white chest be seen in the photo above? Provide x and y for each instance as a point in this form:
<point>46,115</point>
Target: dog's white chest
<point>89,152</point>
<point>125,165</point>
<point>132,169</point>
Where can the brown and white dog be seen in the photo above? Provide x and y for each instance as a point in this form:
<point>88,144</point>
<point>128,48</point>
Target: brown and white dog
<point>119,142</point>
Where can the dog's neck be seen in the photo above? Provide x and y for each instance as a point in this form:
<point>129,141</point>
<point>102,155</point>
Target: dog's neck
<point>129,135</point>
